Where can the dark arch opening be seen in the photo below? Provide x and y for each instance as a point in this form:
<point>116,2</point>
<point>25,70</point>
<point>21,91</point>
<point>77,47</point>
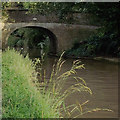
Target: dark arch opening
<point>42,34</point>
<point>52,37</point>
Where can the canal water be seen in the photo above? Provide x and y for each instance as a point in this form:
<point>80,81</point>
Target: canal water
<point>101,77</point>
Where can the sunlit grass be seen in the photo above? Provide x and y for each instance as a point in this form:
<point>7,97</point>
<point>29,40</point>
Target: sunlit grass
<point>21,99</point>
<point>55,85</point>
<point>25,97</point>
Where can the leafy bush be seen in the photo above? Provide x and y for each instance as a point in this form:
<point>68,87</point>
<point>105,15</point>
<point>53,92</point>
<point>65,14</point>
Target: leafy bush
<point>105,44</point>
<point>14,41</point>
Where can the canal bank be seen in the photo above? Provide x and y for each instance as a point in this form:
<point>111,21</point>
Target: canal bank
<point>98,58</point>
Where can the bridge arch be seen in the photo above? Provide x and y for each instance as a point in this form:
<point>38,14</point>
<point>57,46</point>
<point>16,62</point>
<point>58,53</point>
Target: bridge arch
<point>64,35</point>
<point>53,39</point>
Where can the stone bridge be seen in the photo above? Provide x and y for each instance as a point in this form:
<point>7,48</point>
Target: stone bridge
<point>62,36</point>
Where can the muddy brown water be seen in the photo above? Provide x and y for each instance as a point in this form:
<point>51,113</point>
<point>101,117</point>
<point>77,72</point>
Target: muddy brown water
<point>101,77</point>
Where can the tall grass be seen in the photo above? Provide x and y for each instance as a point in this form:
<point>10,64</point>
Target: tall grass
<point>52,88</point>
<point>21,99</point>
<point>25,97</point>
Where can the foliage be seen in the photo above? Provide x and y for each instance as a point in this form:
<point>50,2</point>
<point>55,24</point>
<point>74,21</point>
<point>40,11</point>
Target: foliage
<point>5,15</point>
<point>21,99</point>
<point>14,41</point>
<point>107,12</point>
<point>45,8</point>
<point>29,37</point>
<point>25,97</point>
<point>96,45</point>
<point>106,42</point>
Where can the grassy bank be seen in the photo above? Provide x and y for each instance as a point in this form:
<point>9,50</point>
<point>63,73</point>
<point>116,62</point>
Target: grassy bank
<point>22,96</point>
<point>21,99</point>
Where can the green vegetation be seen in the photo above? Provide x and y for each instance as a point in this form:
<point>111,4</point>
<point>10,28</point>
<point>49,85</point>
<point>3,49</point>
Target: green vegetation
<point>96,45</point>
<point>25,97</point>
<point>28,39</point>
<point>105,42</point>
<point>33,36</point>
<point>21,99</point>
